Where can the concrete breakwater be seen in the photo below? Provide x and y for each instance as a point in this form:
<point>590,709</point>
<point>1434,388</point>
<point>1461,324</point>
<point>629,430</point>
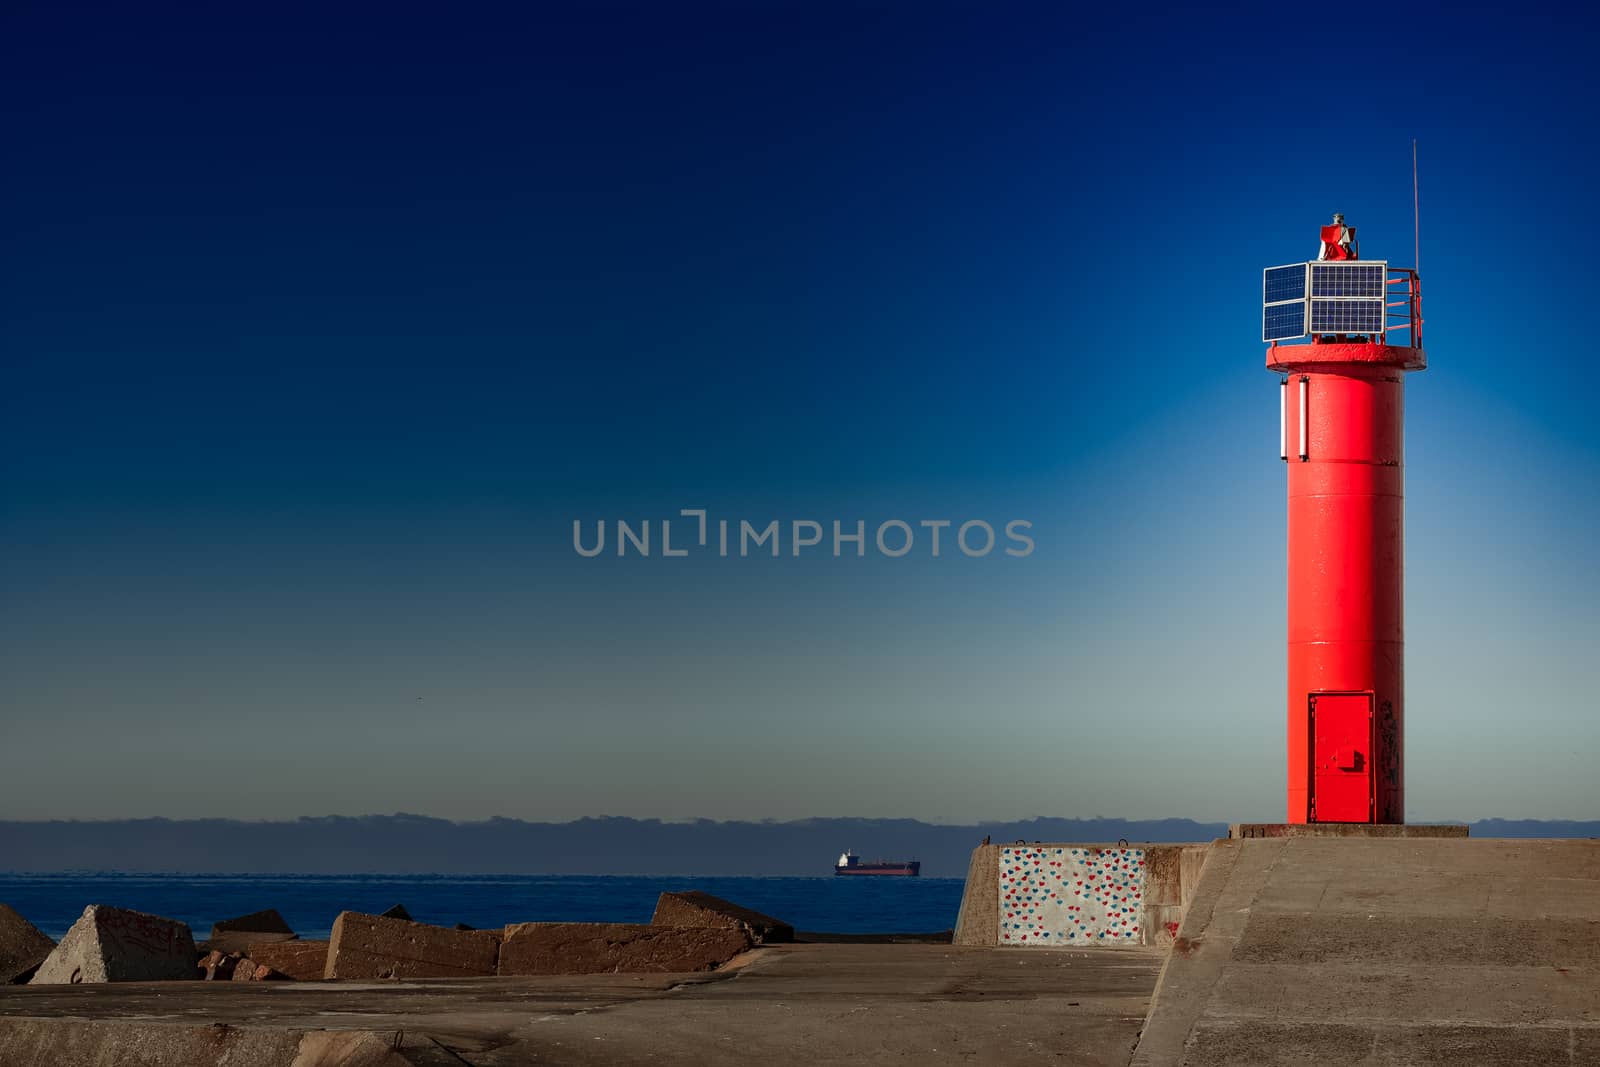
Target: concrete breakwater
<point>689,932</point>
<point>1294,945</point>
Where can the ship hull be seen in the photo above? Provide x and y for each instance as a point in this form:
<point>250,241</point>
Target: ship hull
<point>880,870</point>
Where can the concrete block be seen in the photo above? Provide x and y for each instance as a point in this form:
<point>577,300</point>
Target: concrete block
<point>694,908</point>
<point>304,961</point>
<point>1169,875</point>
<point>1190,863</point>
<point>371,946</point>
<point>117,945</point>
<point>22,947</point>
<point>602,948</point>
<point>1163,874</point>
<point>235,935</point>
<point>266,922</point>
<point>396,911</point>
<point>978,921</point>
<point>1071,896</point>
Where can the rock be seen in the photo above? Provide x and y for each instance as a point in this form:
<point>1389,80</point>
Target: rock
<point>249,970</point>
<point>218,966</point>
<point>235,935</point>
<point>398,911</point>
<point>117,945</point>
<point>694,908</point>
<point>22,947</point>
<point>464,926</point>
<point>595,948</point>
<point>371,946</point>
<point>304,961</point>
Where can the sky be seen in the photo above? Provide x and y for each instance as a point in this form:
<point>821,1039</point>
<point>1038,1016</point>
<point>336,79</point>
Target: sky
<point>320,327</point>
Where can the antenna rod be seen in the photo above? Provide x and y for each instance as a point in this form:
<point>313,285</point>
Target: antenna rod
<point>1416,222</point>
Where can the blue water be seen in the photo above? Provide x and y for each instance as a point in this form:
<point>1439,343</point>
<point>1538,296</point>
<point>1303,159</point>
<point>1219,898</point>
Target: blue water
<point>52,902</point>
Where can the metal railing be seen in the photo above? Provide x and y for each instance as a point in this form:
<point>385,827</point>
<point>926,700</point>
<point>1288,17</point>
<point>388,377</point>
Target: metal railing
<point>1403,306</point>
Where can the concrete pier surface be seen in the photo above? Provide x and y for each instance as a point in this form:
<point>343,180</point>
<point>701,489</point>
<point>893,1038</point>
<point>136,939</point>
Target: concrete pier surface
<point>1384,951</point>
<point>824,1004</point>
<point>1377,951</point>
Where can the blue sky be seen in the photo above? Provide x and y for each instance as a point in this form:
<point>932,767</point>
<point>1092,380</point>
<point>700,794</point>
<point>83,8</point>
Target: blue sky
<point>320,328</point>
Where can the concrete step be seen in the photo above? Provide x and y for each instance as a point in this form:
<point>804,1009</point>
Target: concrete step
<point>1380,951</point>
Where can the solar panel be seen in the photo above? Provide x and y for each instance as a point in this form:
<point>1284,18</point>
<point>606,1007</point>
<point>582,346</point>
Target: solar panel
<point>1347,316</point>
<point>1283,283</point>
<point>1283,300</point>
<point>1280,322</point>
<point>1347,297</point>
<point>1349,279</point>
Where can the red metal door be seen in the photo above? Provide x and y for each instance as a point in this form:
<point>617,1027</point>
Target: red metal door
<point>1341,757</point>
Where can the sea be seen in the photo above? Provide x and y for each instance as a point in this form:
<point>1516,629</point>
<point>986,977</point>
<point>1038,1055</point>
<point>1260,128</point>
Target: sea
<point>310,902</point>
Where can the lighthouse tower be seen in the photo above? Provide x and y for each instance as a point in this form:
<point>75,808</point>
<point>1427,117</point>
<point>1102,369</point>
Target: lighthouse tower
<point>1343,332</point>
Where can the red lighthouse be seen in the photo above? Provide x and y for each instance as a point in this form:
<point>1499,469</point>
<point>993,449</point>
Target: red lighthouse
<point>1342,400</point>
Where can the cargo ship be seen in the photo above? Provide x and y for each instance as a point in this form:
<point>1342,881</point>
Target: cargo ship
<point>850,863</point>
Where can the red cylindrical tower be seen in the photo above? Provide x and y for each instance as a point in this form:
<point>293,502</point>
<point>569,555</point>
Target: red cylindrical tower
<point>1342,427</point>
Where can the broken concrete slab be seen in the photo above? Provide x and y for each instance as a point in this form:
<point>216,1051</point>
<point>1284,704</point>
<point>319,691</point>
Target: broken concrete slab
<point>694,908</point>
<point>597,948</point>
<point>217,966</point>
<point>234,935</point>
<point>304,961</point>
<point>371,946</point>
<point>118,945</point>
<point>22,947</point>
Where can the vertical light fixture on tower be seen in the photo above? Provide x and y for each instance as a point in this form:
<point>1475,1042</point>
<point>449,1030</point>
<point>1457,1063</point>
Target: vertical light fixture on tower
<point>1341,433</point>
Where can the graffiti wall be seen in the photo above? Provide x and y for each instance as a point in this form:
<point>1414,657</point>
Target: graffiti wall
<point>1058,895</point>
